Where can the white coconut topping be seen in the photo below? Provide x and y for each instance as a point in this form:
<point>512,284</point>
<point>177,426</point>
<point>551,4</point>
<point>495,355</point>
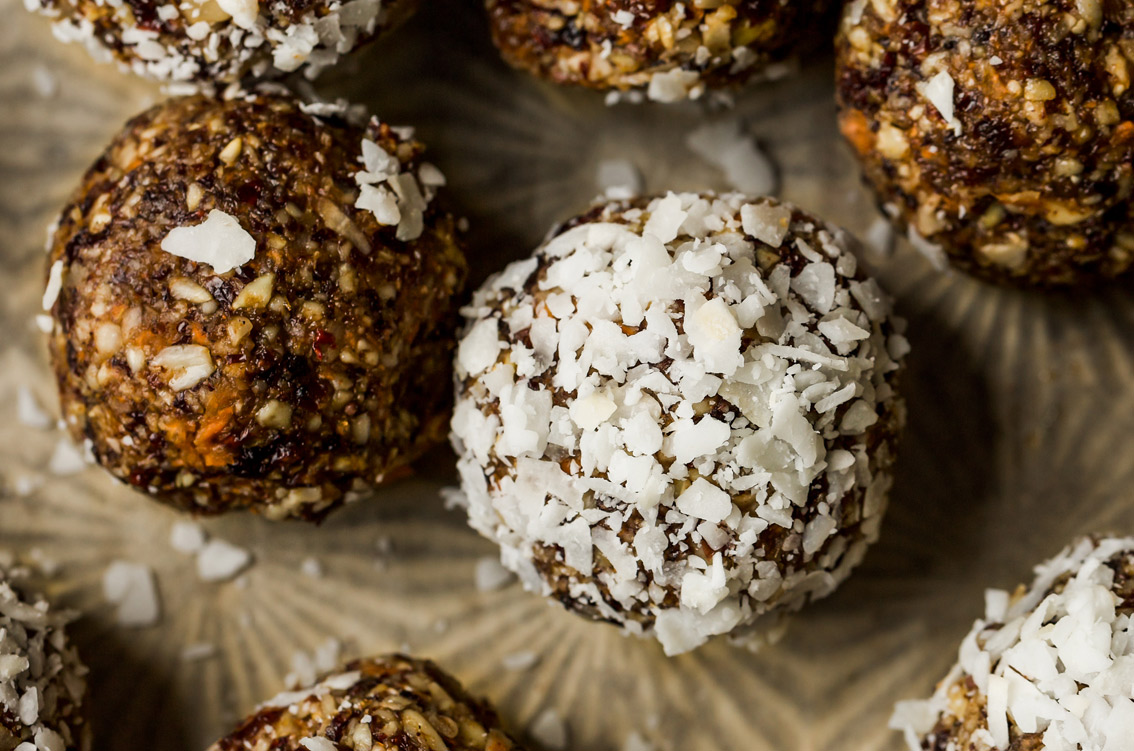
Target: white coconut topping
<point>939,92</point>
<point>187,537</point>
<point>395,196</point>
<point>219,560</point>
<point>649,387</point>
<point>40,675</point>
<point>674,85</point>
<point>549,730</point>
<point>219,241</point>
<point>1056,661</point>
<point>130,587</point>
<point>491,575</point>
<point>726,146</point>
<point>243,12</point>
<point>54,285</point>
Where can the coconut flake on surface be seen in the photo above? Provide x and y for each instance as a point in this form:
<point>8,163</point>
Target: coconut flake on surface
<point>219,241</point>
<point>243,12</point>
<point>131,588</point>
<point>218,560</point>
<point>549,730</point>
<point>54,285</point>
<point>187,537</point>
<point>727,147</point>
<point>646,367</point>
<point>311,567</point>
<point>939,91</point>
<point>519,660</point>
<point>491,575</point>
<point>637,742</point>
<point>67,458</point>
<point>618,179</point>
<point>674,85</point>
<point>198,652</point>
<point>29,411</point>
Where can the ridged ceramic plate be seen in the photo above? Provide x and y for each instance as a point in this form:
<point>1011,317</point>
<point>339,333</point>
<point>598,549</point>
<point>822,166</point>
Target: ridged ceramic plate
<point>1021,435</point>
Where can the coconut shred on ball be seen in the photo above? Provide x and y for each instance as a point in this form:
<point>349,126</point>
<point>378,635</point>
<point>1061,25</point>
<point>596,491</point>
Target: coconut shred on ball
<point>680,414</point>
<point>1001,134</point>
<point>392,703</point>
<point>221,40</point>
<point>253,305</point>
<point>1048,668</point>
<point>42,682</point>
<point>673,51</point>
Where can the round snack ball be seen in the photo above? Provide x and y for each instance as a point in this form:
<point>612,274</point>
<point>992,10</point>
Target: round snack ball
<point>253,305</point>
<point>672,50</point>
<point>1000,134</point>
<point>221,40</point>
<point>392,703</point>
<point>42,682</point>
<point>679,414</point>
<point>1047,668</point>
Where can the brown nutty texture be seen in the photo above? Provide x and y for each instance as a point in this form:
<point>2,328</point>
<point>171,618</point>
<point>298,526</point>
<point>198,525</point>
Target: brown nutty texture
<point>333,370</point>
<point>1037,187</point>
<point>579,42</point>
<point>412,704</point>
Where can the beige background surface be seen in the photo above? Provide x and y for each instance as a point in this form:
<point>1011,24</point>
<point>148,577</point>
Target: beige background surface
<point>1021,435</point>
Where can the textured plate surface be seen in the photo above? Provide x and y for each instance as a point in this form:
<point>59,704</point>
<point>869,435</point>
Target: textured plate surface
<point>1021,435</point>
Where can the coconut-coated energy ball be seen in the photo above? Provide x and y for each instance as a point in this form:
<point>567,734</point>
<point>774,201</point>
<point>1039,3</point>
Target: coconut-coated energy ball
<point>42,681</point>
<point>253,305</point>
<point>679,414</point>
<point>1000,133</point>
<point>1048,667</point>
<point>221,40</point>
<point>671,50</point>
<point>392,703</point>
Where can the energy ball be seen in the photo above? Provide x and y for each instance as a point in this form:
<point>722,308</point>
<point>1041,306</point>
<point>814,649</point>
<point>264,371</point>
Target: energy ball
<point>680,413</point>
<point>221,40</point>
<point>672,50</point>
<point>42,682</point>
<point>1047,668</point>
<point>393,703</point>
<point>1001,134</point>
<point>253,305</point>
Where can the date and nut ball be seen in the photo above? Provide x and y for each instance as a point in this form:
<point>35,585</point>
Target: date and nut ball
<point>42,682</point>
<point>1050,667</point>
<point>220,40</point>
<point>392,703</point>
<point>1001,134</point>
<point>671,50</point>
<point>679,414</point>
<point>253,305</point>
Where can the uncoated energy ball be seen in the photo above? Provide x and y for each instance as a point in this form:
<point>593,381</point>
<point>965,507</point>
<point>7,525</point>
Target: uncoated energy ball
<point>1000,133</point>
<point>253,305</point>
<point>679,414</point>
<point>671,50</point>
<point>393,703</point>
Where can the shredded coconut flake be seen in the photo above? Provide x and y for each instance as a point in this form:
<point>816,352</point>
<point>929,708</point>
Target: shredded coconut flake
<point>219,241</point>
<point>219,560</point>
